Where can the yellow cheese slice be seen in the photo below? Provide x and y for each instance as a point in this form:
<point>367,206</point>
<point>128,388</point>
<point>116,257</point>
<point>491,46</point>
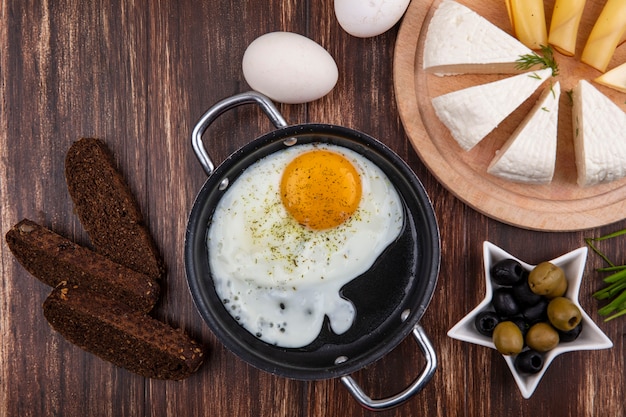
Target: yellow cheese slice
<point>615,78</point>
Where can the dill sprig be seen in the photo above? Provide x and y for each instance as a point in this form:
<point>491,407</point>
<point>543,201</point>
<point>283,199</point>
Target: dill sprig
<point>546,60</point>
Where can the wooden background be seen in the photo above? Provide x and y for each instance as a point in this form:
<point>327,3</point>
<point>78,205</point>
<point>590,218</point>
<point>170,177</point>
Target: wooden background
<point>139,74</point>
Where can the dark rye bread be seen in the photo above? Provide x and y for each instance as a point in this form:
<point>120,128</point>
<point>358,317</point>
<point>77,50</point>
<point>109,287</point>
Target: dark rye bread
<point>107,209</point>
<point>54,260</point>
<point>121,335</point>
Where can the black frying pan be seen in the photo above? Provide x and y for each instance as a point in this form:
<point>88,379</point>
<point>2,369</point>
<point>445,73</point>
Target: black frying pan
<point>390,298</point>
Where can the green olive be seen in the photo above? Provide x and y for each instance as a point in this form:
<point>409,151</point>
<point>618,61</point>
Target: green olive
<point>542,337</point>
<point>508,338</point>
<point>563,314</point>
<point>559,290</point>
<point>548,280</point>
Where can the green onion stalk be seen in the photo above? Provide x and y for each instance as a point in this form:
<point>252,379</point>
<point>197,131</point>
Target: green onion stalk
<point>615,284</point>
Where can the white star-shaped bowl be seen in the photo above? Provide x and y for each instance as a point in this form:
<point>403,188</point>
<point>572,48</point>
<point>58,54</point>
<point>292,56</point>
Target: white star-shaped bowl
<point>590,338</point>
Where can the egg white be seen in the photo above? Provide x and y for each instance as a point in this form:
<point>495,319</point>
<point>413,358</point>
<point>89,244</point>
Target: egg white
<point>280,279</point>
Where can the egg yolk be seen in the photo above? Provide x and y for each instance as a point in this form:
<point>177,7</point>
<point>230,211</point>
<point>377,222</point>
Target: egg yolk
<point>320,189</point>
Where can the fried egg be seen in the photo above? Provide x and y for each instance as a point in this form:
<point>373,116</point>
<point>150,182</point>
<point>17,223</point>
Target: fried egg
<point>291,231</point>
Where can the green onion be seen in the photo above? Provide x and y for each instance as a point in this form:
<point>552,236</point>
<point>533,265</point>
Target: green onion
<point>615,289</point>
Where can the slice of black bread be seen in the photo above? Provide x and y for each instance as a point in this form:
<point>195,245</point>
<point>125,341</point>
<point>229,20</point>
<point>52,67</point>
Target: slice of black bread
<point>121,335</point>
<point>54,260</point>
<point>108,210</point>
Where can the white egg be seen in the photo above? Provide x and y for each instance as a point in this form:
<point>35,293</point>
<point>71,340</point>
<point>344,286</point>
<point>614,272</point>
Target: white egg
<point>367,18</point>
<point>280,279</point>
<point>289,68</point>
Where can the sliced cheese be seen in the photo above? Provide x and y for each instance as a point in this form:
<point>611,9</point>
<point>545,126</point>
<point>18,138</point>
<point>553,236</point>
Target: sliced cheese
<point>605,36</point>
<point>461,41</point>
<point>615,78</point>
<point>566,17</point>
<point>528,19</point>
<point>599,136</point>
<point>529,155</point>
<point>472,113</point>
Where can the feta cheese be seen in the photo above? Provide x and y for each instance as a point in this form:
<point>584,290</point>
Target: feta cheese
<point>599,127</point>
<point>461,41</point>
<point>472,113</point>
<point>529,155</point>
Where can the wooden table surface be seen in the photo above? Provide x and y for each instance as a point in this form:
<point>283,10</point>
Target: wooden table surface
<point>139,74</point>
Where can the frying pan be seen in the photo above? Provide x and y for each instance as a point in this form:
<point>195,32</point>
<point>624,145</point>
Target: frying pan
<point>389,299</point>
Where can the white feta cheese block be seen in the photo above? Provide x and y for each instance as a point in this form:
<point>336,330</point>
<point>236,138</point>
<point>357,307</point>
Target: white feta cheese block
<point>472,113</point>
<point>460,41</point>
<point>599,128</point>
<point>529,155</point>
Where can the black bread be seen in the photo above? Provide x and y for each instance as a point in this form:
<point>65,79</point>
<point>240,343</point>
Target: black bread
<point>121,335</point>
<point>108,210</point>
<point>54,260</point>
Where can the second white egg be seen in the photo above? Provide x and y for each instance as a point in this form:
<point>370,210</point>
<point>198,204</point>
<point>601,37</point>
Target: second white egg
<point>289,68</point>
<point>367,18</point>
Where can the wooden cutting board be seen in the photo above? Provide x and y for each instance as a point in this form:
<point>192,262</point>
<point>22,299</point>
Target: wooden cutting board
<point>561,205</point>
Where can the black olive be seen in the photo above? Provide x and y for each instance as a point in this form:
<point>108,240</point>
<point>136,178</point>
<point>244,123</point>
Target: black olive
<point>529,361</point>
<point>485,322</point>
<point>521,322</point>
<point>504,303</point>
<point>570,335</point>
<point>537,312</point>
<point>507,272</point>
<point>524,295</point>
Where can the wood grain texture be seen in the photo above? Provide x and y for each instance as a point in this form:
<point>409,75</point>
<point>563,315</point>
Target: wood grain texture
<point>138,75</point>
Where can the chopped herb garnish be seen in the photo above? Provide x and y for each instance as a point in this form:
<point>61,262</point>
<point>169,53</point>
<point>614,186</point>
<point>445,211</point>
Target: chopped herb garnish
<point>546,60</point>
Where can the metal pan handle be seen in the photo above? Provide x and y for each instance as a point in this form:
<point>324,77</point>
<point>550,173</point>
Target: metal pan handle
<point>216,110</point>
<point>415,387</point>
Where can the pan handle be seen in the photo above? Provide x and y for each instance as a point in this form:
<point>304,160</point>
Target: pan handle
<point>415,387</point>
<point>217,109</point>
